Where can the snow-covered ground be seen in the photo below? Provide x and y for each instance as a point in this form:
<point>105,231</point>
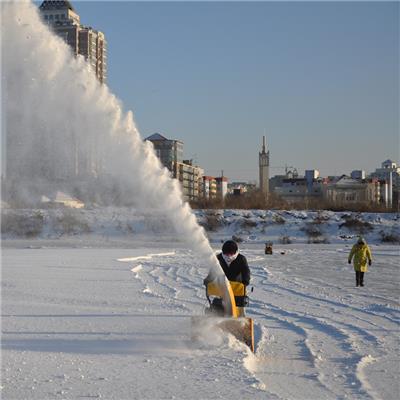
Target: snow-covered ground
<point>114,323</point>
<point>91,317</point>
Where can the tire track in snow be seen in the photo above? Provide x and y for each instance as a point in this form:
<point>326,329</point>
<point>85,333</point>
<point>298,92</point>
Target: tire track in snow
<point>368,329</point>
<point>360,331</point>
<point>338,336</point>
<point>168,278</point>
<point>146,257</point>
<point>267,281</point>
<point>363,341</point>
<point>178,277</point>
<point>353,335</point>
<point>362,378</point>
<point>347,343</point>
<point>156,285</point>
<point>160,279</point>
<point>327,368</point>
<point>151,278</point>
<point>189,280</point>
<point>365,338</point>
<point>316,299</point>
<point>364,334</point>
<point>352,315</point>
<point>294,349</point>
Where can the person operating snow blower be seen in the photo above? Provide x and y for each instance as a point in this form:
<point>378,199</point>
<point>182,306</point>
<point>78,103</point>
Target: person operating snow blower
<point>227,298</point>
<point>362,258</point>
<point>237,271</point>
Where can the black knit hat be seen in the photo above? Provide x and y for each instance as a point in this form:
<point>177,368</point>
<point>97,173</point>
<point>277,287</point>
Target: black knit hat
<point>229,247</point>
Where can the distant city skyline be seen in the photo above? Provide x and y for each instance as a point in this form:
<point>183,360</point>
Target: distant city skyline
<point>320,80</point>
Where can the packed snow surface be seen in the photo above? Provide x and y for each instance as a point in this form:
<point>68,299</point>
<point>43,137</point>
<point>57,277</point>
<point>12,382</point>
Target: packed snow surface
<point>112,321</point>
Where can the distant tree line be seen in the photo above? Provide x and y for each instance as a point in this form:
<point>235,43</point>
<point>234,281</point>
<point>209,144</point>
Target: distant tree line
<point>257,200</point>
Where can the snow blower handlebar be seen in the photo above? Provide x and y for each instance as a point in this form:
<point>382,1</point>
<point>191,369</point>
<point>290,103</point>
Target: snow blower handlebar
<point>224,293</point>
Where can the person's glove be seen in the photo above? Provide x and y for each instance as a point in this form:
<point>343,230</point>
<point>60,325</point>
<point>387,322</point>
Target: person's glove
<point>369,262</point>
<point>349,261</point>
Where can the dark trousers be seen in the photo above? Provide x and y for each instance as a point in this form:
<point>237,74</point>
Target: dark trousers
<point>359,278</point>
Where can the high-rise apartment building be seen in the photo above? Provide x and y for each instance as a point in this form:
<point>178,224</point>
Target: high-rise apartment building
<point>86,41</point>
<point>167,150</point>
<point>170,153</point>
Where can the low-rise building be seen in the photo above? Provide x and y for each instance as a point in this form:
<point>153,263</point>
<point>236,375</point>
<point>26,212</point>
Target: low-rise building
<point>222,186</point>
<point>340,190</point>
<point>358,174</point>
<point>214,187</point>
<point>190,178</point>
<point>276,182</point>
<point>209,187</point>
<point>389,178</point>
<point>241,187</point>
<point>292,189</point>
<point>347,190</point>
<point>300,188</point>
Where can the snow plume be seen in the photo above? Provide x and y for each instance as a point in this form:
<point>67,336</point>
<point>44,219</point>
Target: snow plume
<point>63,130</point>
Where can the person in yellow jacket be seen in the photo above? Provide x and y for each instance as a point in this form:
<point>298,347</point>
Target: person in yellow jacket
<point>362,258</point>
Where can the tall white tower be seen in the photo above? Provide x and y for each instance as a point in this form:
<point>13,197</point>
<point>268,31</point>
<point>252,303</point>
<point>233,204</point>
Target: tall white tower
<point>263,163</point>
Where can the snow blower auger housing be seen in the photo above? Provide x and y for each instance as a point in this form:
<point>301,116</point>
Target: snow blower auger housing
<point>218,314</point>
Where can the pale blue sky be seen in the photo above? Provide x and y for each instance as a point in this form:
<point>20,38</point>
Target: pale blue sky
<point>322,79</point>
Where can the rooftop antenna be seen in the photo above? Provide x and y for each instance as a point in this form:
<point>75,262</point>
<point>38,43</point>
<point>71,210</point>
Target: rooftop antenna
<point>265,139</point>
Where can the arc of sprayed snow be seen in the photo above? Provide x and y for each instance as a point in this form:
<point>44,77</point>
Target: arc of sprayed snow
<point>123,150</point>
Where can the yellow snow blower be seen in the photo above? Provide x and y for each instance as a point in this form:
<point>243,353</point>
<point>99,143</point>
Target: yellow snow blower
<point>222,296</point>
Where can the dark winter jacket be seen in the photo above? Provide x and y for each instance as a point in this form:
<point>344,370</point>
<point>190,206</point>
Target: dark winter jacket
<point>237,271</point>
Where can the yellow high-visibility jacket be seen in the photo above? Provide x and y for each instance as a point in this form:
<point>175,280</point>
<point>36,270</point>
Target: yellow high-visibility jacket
<point>362,254</point>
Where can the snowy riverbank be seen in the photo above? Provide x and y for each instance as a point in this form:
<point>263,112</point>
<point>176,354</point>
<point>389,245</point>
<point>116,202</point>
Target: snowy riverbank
<point>253,226</point>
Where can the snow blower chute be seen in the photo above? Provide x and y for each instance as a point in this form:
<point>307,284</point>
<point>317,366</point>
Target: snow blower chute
<point>223,312</point>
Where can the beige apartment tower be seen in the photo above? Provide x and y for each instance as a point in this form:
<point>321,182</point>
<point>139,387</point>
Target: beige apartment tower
<point>86,41</point>
<point>263,164</point>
